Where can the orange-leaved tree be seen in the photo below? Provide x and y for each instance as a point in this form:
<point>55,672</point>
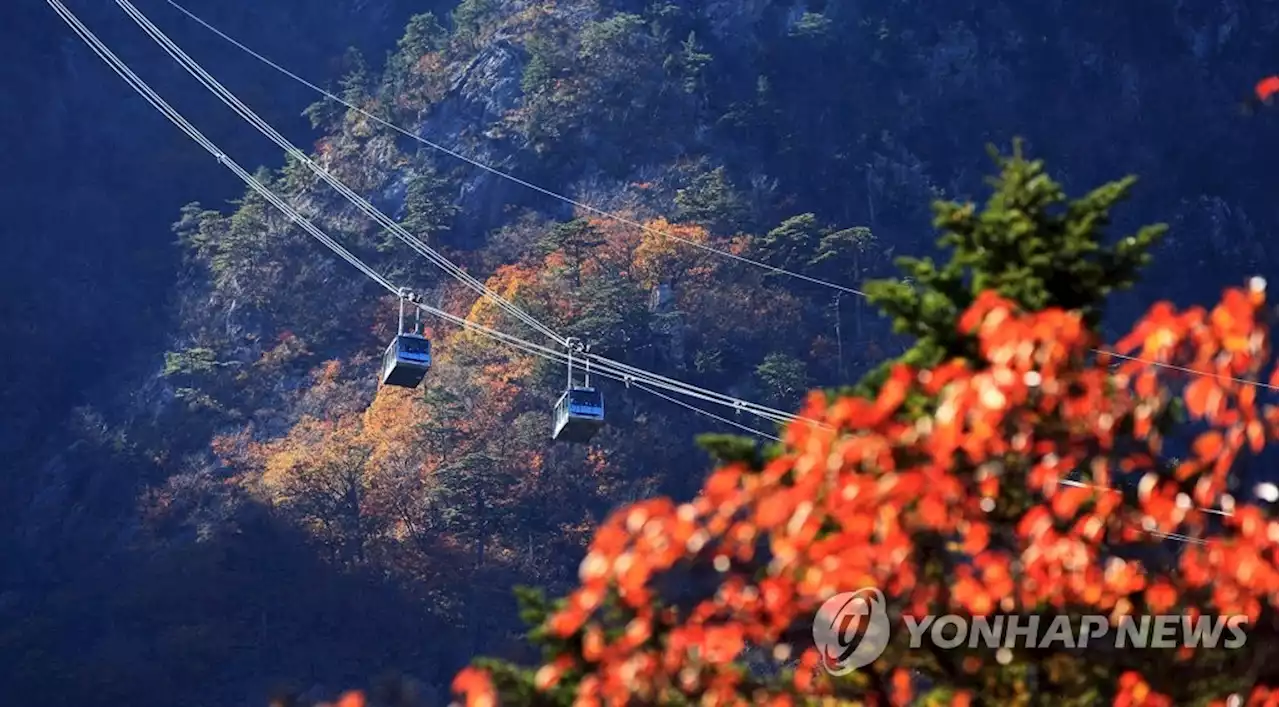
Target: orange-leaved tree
<point>1006,465</point>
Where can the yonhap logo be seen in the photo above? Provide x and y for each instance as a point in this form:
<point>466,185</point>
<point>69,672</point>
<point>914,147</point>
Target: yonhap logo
<point>851,630</point>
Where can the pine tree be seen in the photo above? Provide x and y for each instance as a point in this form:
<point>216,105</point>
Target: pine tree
<point>1029,244</point>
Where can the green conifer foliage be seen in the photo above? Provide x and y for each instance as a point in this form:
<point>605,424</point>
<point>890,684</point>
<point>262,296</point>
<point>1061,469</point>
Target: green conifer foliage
<point>1029,242</point>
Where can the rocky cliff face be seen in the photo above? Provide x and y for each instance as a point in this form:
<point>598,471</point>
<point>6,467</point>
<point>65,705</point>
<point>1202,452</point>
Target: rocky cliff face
<point>481,93</point>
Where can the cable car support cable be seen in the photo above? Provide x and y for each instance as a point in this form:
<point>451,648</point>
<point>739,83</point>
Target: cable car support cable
<point>226,96</point>
<point>140,86</point>
<point>245,112</point>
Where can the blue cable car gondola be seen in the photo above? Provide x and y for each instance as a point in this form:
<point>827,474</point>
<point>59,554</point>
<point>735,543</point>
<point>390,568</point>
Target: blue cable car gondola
<point>408,358</point>
<point>579,413</point>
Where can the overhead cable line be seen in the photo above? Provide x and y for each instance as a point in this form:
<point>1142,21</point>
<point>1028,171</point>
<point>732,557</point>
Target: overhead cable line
<point>562,357</point>
<point>625,374</point>
<point>725,420</point>
<point>1185,369</point>
<point>601,212</point>
<point>157,102</point>
<point>143,89</point>
<point>1098,487</point>
<point>262,126</point>
<point>505,175</point>
<point>382,219</point>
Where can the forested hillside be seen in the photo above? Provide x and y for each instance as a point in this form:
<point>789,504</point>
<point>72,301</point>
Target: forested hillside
<point>237,503</point>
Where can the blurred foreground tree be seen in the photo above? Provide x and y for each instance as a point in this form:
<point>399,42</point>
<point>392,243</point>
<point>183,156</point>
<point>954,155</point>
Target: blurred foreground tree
<point>1005,466</point>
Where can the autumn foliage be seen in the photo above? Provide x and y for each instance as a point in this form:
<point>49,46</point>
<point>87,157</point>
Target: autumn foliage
<point>946,491</point>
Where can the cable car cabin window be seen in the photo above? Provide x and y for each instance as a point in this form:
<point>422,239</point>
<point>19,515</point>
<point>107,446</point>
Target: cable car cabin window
<point>586,403</point>
<point>414,348</point>
<point>406,361</point>
<point>578,415</point>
